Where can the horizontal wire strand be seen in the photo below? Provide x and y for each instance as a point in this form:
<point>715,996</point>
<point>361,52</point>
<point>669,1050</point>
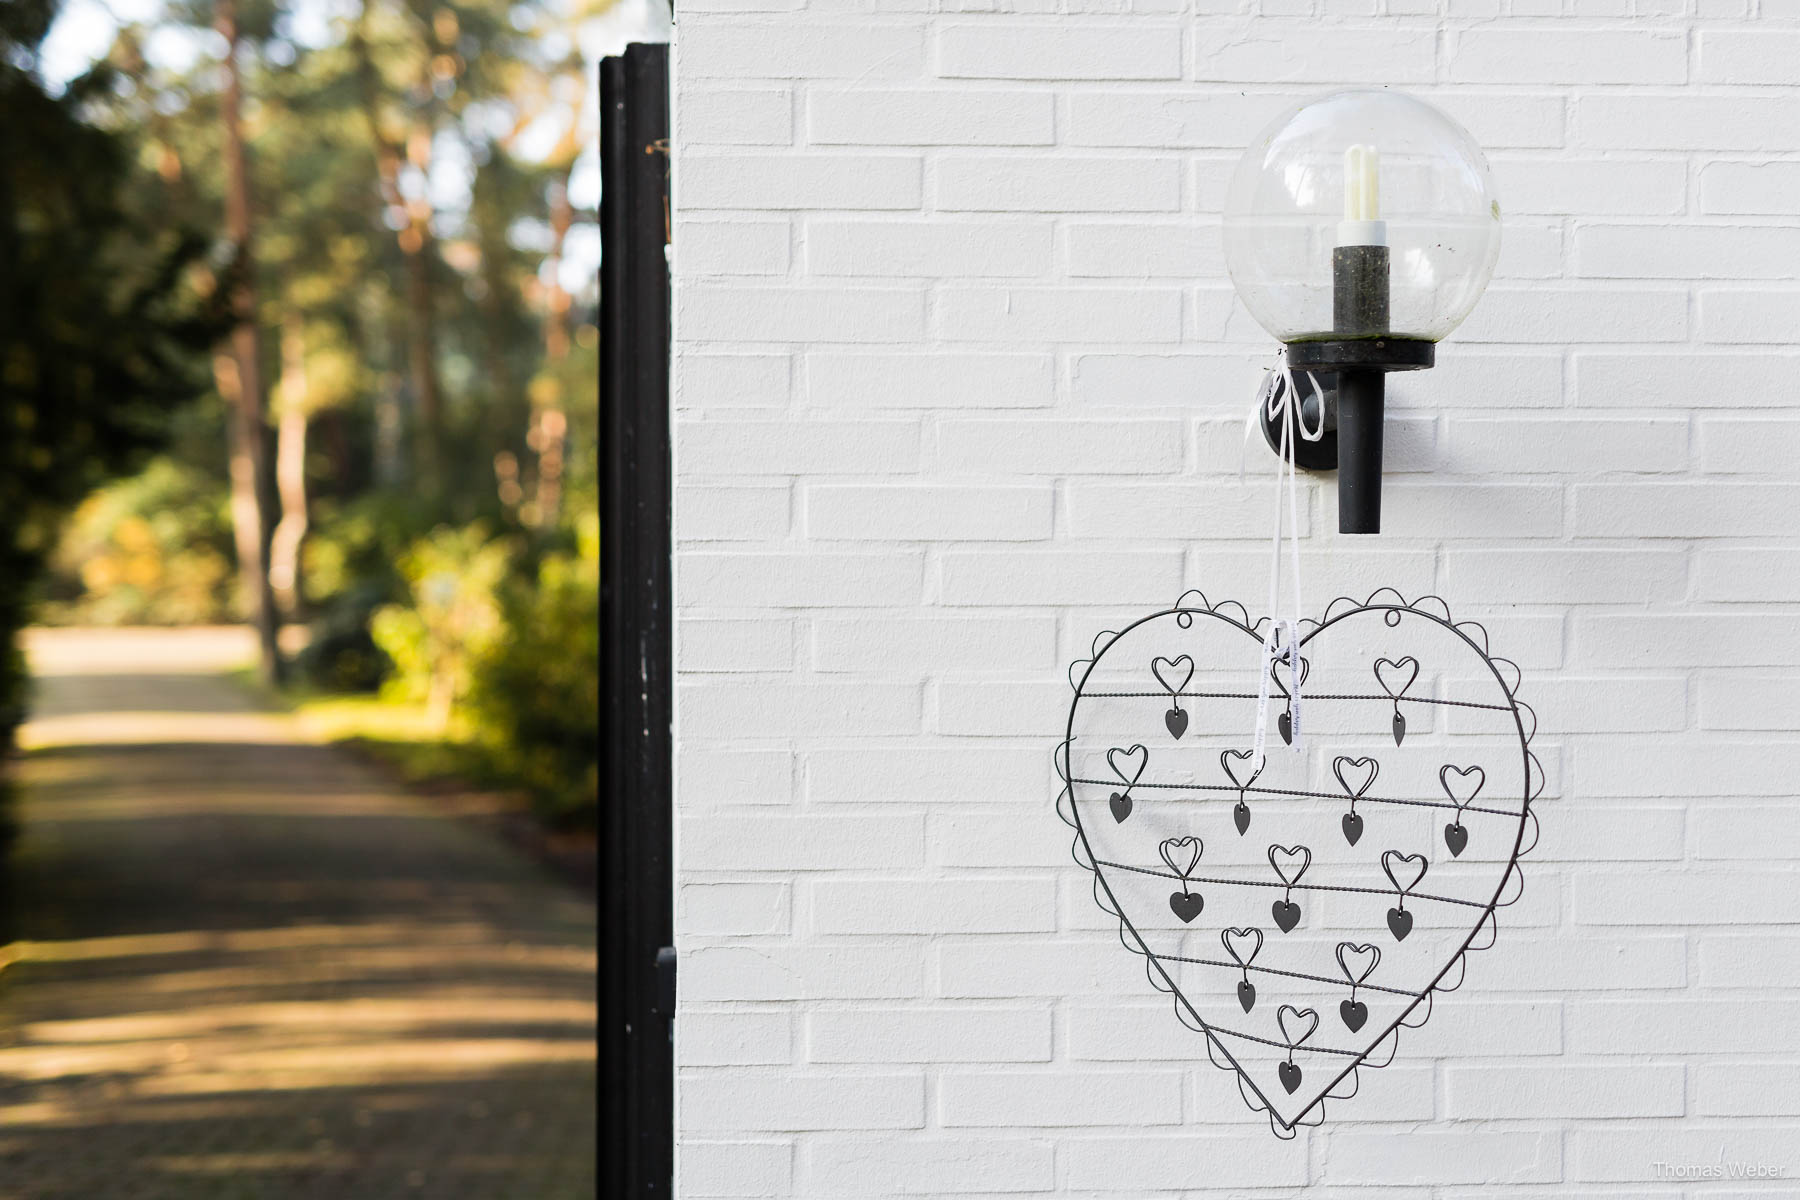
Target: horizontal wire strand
<point>1304,695</point>
<point>1303,887</point>
<point>1210,962</point>
<point>1260,791</point>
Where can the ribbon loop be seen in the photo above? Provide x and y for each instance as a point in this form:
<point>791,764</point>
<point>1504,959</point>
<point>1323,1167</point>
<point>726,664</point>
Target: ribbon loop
<point>1279,400</point>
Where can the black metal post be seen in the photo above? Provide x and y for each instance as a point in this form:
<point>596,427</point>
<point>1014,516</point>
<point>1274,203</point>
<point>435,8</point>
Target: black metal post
<point>1361,403</point>
<point>637,1075</point>
<point>1359,301</point>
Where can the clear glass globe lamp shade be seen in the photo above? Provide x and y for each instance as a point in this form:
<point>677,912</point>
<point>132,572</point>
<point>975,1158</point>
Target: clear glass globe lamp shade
<point>1359,168</point>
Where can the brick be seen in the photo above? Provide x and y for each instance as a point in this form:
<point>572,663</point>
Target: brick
<point>1748,1090</point>
<point>732,514</point>
<point>1740,897</point>
<point>1065,50</point>
<point>1639,769</point>
<point>1443,1156</point>
<point>1046,447</point>
<point>1159,379</point>
<point>1742,56</point>
<point>1469,510</point>
<point>732,380</point>
<point>1540,315</point>
<point>1054,183</point>
<point>1061,577</point>
<point>1683,251</point>
<point>1146,1164</point>
<point>934,907</point>
<point>932,380</point>
<point>1756,317</point>
<point>1144,251</point>
<point>710,778</point>
<point>810,446</point>
<point>1564,445</point>
<point>777,971</point>
<point>790,1101</point>
<point>1059,1098</point>
<point>1174,120</point>
<point>1665,510</point>
<point>936,1166</point>
<point>798,181</point>
<point>1566,575</point>
<point>1740,700</point>
<point>927,512</point>
<point>752,710</point>
<point>955,644</point>
<point>734,247</point>
<point>1105,509</point>
<point>766,841</point>
<point>735,1039</point>
<point>1005,968</point>
<point>1750,189</point>
<point>1756,574</point>
<point>1709,1026</point>
<point>860,50</point>
<point>1767,832</point>
<point>1743,122</point>
<point>1765,959</point>
<point>1305,51</point>
<point>991,708</point>
<point>938,117</point>
<point>733,910</point>
<point>734,116</point>
<point>731,646</point>
<point>885,775</point>
<point>1606,1154</point>
<point>1752,446</point>
<point>1581,187</point>
<point>957,249</point>
<point>740,312</point>
<point>1563,1090</point>
<point>1648,379</point>
<point>961,1033</point>
<point>1578,56</point>
<point>741,1169</point>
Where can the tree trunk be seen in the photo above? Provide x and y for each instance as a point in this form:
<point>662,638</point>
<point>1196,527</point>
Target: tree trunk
<point>550,421</point>
<point>242,385</point>
<point>417,247</point>
<point>290,472</point>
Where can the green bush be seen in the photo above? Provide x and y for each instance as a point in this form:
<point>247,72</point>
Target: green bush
<point>453,618</point>
<point>536,691</point>
<point>153,549</point>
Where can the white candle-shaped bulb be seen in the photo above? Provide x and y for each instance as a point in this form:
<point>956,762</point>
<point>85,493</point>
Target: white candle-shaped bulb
<point>1362,224</point>
<point>1362,183</point>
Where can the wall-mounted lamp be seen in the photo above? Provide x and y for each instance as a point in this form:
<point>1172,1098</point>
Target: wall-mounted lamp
<point>1360,229</point>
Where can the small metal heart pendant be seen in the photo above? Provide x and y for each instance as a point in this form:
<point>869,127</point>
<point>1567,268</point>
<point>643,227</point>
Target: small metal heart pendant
<point>1240,816</point>
<point>1354,1012</point>
<point>1352,827</point>
<point>1247,994</point>
<point>1177,721</point>
<point>1400,922</point>
<point>1456,836</point>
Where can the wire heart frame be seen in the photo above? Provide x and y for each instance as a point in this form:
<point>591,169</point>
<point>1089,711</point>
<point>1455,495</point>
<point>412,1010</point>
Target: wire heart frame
<point>1376,903</point>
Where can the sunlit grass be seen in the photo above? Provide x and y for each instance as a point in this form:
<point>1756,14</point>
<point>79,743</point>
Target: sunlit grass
<point>406,736</point>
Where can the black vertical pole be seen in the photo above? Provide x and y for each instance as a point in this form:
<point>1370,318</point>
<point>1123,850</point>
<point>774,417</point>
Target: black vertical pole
<point>1359,295</point>
<point>636,907</point>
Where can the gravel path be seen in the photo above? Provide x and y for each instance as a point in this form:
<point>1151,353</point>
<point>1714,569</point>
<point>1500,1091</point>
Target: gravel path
<point>250,969</point>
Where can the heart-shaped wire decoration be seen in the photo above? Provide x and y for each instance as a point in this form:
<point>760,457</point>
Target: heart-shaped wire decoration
<point>1363,932</point>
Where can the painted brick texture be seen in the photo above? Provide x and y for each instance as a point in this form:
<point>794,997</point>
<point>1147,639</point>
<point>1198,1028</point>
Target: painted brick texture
<point>960,381</point>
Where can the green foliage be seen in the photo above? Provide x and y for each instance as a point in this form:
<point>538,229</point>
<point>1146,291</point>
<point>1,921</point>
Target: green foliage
<point>536,692</point>
<point>451,621</point>
<point>152,549</point>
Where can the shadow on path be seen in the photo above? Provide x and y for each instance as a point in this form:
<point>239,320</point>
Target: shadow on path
<point>247,968</point>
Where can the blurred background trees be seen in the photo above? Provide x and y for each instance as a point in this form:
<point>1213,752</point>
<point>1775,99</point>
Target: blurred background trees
<point>312,281</point>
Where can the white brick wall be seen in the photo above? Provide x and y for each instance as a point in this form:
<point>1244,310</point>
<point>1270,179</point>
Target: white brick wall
<point>959,382</point>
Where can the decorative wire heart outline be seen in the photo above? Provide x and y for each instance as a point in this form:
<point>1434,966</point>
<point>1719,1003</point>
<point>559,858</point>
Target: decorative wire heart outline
<point>1395,663</point>
<point>1243,785</point>
<point>1387,869</point>
<point>1354,948</point>
<point>1344,760</point>
<point>1199,850</point>
<point>1392,611</point>
<point>1134,752</point>
<point>1156,669</point>
<point>1444,773</point>
<point>1300,852</point>
<point>1225,936</point>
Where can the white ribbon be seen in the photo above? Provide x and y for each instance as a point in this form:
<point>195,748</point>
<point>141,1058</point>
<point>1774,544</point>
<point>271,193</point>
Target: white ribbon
<point>1279,400</point>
